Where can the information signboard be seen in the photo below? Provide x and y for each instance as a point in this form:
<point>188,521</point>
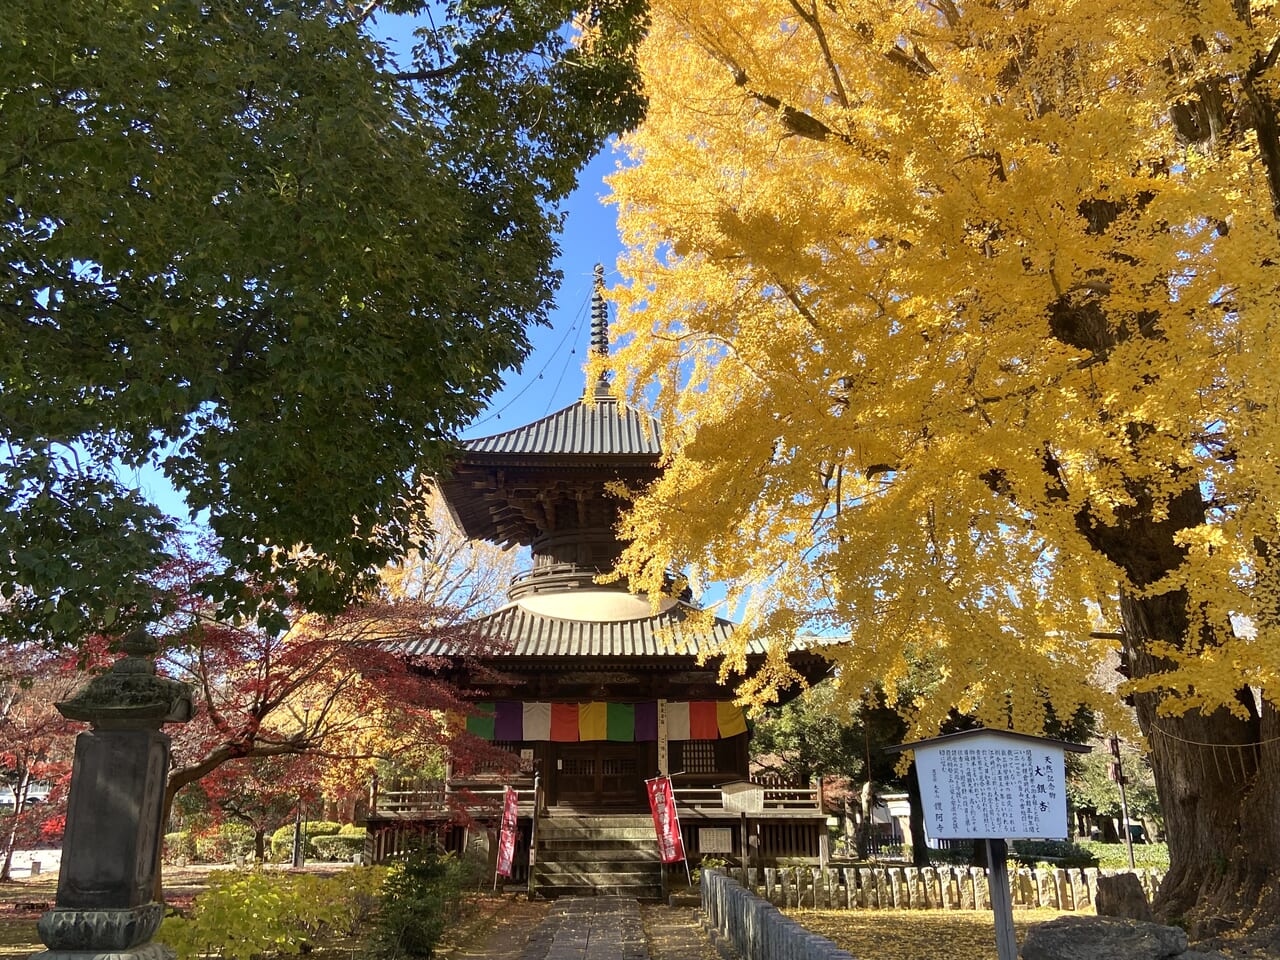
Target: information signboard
<point>990,785</point>
<point>994,786</point>
<point>982,784</point>
<point>742,796</point>
<point>715,840</point>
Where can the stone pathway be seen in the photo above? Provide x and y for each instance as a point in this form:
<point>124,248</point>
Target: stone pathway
<point>594,928</point>
<point>579,928</point>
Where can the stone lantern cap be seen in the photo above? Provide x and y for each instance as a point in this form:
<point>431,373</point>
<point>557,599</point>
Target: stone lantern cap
<point>130,694</point>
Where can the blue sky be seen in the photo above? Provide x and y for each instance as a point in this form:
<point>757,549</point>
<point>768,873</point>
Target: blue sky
<point>552,377</point>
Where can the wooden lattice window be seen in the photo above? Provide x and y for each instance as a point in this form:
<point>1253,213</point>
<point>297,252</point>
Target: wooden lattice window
<point>698,756</point>
<point>495,766</point>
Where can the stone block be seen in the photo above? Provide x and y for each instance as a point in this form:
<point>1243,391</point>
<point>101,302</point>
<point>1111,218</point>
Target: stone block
<point>1122,895</point>
<point>1102,938</point>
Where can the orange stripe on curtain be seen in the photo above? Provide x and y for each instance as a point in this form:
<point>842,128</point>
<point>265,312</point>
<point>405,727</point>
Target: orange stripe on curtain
<point>564,722</point>
<point>702,720</point>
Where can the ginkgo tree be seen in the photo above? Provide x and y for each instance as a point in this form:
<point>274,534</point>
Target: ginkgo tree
<point>960,321</point>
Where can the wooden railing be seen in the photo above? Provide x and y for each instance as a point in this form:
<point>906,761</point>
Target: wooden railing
<point>776,799</point>
<point>479,796</point>
<point>533,835</point>
<point>408,800</point>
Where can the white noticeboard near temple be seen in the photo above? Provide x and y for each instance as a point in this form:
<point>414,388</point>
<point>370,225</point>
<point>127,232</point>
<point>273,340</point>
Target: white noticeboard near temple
<point>993,785</point>
<point>987,783</point>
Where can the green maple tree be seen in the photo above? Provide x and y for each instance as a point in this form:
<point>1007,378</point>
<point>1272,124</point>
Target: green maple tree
<point>244,245</point>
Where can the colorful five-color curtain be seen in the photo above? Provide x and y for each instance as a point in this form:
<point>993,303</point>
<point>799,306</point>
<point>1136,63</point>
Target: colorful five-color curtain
<point>568,722</point>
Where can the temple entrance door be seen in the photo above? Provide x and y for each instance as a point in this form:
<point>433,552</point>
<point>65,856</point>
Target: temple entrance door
<point>599,774</point>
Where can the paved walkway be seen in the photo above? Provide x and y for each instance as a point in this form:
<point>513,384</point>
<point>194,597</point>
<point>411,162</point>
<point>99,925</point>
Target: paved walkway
<point>579,928</point>
<point>595,928</point>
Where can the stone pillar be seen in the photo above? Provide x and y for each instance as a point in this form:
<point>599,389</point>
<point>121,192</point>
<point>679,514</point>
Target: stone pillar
<point>111,846</point>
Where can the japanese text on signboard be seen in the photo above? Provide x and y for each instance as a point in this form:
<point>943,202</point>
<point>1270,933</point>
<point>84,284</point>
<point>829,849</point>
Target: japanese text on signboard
<point>978,789</point>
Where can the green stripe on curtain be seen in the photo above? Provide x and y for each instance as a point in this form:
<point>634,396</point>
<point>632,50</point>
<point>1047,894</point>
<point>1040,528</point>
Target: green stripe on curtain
<point>480,723</point>
<point>621,721</point>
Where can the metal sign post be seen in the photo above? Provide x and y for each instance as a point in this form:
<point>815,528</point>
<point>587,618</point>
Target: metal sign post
<point>1001,898</point>
<point>992,786</point>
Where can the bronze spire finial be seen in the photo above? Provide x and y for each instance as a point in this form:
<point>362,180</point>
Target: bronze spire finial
<point>599,328</point>
<point>599,315</point>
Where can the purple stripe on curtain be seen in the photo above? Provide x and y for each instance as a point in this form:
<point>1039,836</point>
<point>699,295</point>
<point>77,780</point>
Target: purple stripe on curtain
<point>647,721</point>
<point>508,720</point>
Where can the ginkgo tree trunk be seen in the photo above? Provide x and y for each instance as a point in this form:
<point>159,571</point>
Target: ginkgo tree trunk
<point>960,321</point>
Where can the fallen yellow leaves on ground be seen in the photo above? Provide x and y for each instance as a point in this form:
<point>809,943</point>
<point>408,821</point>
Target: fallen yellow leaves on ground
<point>916,934</point>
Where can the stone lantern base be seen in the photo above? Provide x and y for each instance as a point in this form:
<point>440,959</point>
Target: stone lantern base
<point>111,845</point>
<point>146,951</point>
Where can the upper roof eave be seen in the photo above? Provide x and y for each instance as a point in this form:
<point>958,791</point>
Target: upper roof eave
<point>602,428</point>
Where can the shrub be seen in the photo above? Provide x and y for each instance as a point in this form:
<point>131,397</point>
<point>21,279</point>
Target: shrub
<point>419,897</point>
<point>959,855</point>
<point>282,839</point>
<point>249,913</point>
<point>1057,853</point>
<point>351,830</point>
<point>224,843</point>
<point>708,862</point>
<point>337,847</point>
<point>1114,856</point>
<point>179,848</point>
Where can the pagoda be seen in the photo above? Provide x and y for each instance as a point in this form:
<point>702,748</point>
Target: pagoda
<point>590,687</point>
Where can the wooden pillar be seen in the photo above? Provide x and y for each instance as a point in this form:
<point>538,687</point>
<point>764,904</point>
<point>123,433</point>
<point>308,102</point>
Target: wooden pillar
<point>664,746</point>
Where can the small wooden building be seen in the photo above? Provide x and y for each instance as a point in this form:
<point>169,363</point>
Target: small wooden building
<point>587,687</point>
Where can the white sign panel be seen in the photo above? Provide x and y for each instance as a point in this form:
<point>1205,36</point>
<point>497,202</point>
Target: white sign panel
<point>715,840</point>
<point>742,796</point>
<point>992,786</point>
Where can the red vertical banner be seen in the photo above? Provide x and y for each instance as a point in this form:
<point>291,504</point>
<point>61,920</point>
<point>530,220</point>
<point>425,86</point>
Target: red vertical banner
<point>507,839</point>
<point>662,803</point>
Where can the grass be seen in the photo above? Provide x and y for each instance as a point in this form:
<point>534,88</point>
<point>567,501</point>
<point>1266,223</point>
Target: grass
<point>21,903</point>
<point>916,934</point>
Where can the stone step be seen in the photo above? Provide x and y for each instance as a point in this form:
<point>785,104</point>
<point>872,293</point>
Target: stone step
<point>554,891</point>
<point>597,843</point>
<point>589,874</point>
<point>585,819</point>
<point>622,832</point>
<point>647,854</point>
<point>580,824</point>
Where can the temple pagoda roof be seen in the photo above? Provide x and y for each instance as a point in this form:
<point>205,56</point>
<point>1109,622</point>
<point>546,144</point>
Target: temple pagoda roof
<point>545,484</point>
<point>603,427</point>
<point>516,631</point>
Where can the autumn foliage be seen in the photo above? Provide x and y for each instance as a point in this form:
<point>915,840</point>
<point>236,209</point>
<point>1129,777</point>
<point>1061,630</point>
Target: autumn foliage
<point>36,745</point>
<point>960,320</point>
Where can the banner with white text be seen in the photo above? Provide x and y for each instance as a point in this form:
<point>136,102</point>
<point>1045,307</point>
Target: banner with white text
<point>507,839</point>
<point>662,803</point>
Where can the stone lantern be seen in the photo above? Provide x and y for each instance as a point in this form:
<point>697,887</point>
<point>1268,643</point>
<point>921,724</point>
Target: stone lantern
<point>105,907</point>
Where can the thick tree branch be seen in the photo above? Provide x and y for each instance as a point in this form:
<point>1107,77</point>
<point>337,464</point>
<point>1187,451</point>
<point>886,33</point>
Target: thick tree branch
<point>810,17</point>
<point>427,76</point>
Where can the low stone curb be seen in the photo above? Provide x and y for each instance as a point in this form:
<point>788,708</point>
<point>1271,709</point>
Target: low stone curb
<point>756,928</point>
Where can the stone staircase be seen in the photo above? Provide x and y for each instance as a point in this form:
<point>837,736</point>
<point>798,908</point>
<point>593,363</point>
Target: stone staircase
<point>600,855</point>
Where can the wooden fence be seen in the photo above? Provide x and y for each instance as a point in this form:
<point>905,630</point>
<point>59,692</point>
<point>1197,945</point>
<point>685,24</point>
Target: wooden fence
<point>934,888</point>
